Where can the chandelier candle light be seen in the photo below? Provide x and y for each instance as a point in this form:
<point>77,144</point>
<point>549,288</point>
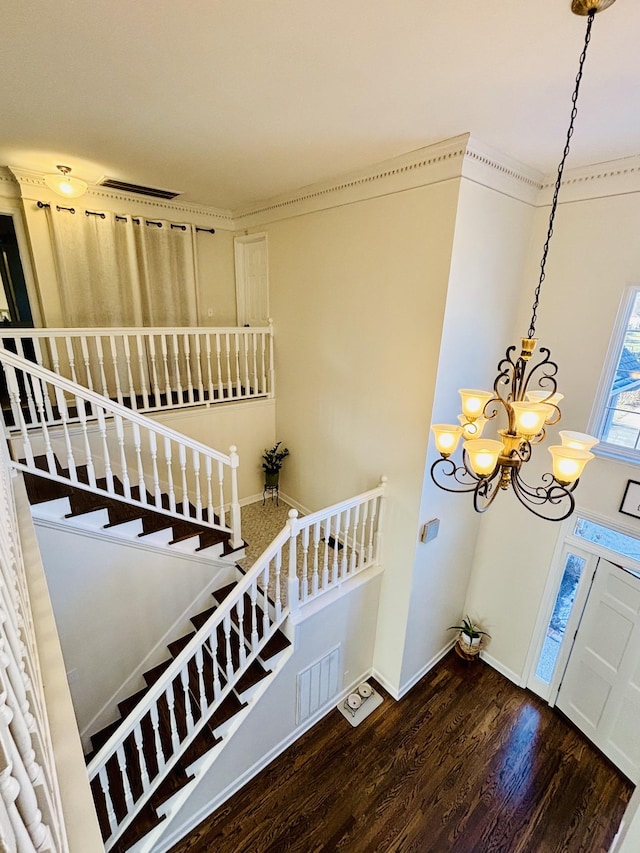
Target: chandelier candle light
<point>526,392</point>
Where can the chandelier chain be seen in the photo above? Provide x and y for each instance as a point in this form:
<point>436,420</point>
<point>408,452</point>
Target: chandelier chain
<point>554,203</point>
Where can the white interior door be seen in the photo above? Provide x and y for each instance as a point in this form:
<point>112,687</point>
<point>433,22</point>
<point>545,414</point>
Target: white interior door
<point>600,691</point>
<point>252,280</point>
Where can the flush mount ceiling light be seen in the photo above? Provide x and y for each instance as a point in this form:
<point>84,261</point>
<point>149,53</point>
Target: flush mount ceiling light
<point>524,391</point>
<point>63,184</point>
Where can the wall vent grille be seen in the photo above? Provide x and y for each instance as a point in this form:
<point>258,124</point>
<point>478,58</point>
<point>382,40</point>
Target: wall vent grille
<point>137,189</point>
<point>318,684</point>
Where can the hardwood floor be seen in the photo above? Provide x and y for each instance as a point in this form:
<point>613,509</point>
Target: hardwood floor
<point>466,762</point>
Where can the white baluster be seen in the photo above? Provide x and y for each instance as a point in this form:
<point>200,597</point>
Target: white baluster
<point>84,348</point>
<point>245,363</point>
<point>102,426</point>
<point>103,375</point>
<point>254,616</point>
<point>39,360</point>
<point>196,474</point>
<point>165,364</point>
<point>61,404</point>
<point>363,533</point>
<point>354,539</point>
<point>316,552</point>
<point>236,348</point>
<point>305,564</point>
<point>142,369</point>
<point>221,510</point>
<point>126,785</point>
<point>344,563</point>
<point>175,738</point>
<point>187,363</point>
<point>82,414</point>
<point>209,371</point>
<point>276,580</point>
<point>142,764</point>
<point>137,443</point>
<point>153,448</point>
<point>184,678</point>
<point>8,841</point>
<point>124,468</point>
<point>104,786</point>
<point>182,453</point>
<point>372,520</point>
<point>9,791</point>
<point>196,339</point>
<point>55,357</point>
<point>154,371</point>
<point>209,476</point>
<point>265,600</point>
<point>336,550</point>
<point>16,409</point>
<point>254,355</point>
<point>168,460</point>
<point>71,358</point>
<point>133,403</point>
<point>115,361</point>
<point>155,724</point>
<point>213,645</point>
<point>219,368</point>
<point>242,644</point>
<point>202,693</point>
<point>226,622</point>
<point>229,373</point>
<point>325,556</point>
<point>176,366</point>
<point>39,401</point>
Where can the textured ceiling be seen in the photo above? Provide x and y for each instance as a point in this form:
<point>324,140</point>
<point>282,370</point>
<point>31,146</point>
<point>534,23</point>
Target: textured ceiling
<point>232,101</point>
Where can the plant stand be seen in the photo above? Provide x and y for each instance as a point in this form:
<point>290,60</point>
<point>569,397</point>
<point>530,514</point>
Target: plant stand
<point>272,489</point>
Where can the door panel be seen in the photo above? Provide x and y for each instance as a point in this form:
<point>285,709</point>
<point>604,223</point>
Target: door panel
<point>600,691</point>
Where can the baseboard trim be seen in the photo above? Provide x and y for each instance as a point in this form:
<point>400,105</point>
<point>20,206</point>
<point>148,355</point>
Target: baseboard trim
<point>176,835</point>
<point>494,663</point>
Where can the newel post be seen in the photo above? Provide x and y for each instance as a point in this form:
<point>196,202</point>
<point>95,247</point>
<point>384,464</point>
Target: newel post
<point>236,526</point>
<point>272,368</point>
<point>381,507</point>
<point>293,591</point>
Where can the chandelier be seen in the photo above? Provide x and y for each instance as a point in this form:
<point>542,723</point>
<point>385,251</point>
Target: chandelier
<point>525,394</point>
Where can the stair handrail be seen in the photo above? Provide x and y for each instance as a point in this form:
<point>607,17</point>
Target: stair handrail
<point>116,410</point>
<point>106,331</point>
<point>221,616</point>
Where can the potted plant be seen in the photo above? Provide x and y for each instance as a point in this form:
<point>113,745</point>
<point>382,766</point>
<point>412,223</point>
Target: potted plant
<point>470,636</point>
<point>272,463</point>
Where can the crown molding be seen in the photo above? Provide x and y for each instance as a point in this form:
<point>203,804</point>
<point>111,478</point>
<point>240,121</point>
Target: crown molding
<point>32,188</point>
<point>429,165</point>
<point>599,180</point>
<point>493,169</point>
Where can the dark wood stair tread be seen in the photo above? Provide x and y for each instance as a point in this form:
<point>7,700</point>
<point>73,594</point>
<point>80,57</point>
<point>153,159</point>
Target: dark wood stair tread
<point>153,674</point>
<point>178,645</point>
<point>200,618</point>
<point>127,705</point>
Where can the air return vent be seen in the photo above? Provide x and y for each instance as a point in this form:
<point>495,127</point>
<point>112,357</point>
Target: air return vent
<point>318,684</point>
<point>124,187</point>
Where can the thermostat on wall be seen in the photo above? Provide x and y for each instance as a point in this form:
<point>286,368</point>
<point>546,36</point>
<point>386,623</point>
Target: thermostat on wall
<point>429,530</point>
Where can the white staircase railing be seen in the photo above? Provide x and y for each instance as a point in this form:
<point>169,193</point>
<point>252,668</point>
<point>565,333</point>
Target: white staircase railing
<point>293,571</point>
<point>151,369</point>
<point>31,815</point>
<point>85,439</point>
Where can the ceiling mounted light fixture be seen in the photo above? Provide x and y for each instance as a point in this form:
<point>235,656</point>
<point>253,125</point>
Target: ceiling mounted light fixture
<point>63,184</point>
<point>527,393</point>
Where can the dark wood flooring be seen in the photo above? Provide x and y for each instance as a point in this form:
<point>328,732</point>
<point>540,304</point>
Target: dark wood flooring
<point>466,762</point>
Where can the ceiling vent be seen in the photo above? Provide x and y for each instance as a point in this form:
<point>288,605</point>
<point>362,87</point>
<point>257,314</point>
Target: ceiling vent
<point>123,186</point>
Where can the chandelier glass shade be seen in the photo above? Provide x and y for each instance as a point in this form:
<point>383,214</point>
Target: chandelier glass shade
<point>63,184</point>
<point>524,402</point>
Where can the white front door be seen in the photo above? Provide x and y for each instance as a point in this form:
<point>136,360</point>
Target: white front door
<point>600,691</point>
<point>252,280</point>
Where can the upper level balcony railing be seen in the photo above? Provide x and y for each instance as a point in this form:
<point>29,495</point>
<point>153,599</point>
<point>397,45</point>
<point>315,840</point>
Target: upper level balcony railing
<point>154,369</point>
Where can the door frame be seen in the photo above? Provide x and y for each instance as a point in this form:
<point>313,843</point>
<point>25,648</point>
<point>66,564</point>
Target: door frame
<point>13,208</point>
<point>238,249</point>
<point>568,542</point>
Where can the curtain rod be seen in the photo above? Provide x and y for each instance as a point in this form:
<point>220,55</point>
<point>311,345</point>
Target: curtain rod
<point>137,220</point>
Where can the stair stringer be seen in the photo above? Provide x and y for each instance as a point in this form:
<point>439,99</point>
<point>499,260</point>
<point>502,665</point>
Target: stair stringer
<point>171,807</point>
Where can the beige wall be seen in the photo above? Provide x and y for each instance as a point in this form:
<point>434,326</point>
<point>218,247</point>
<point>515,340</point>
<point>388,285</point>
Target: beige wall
<point>489,251</point>
<point>358,293</point>
<point>595,254</point>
